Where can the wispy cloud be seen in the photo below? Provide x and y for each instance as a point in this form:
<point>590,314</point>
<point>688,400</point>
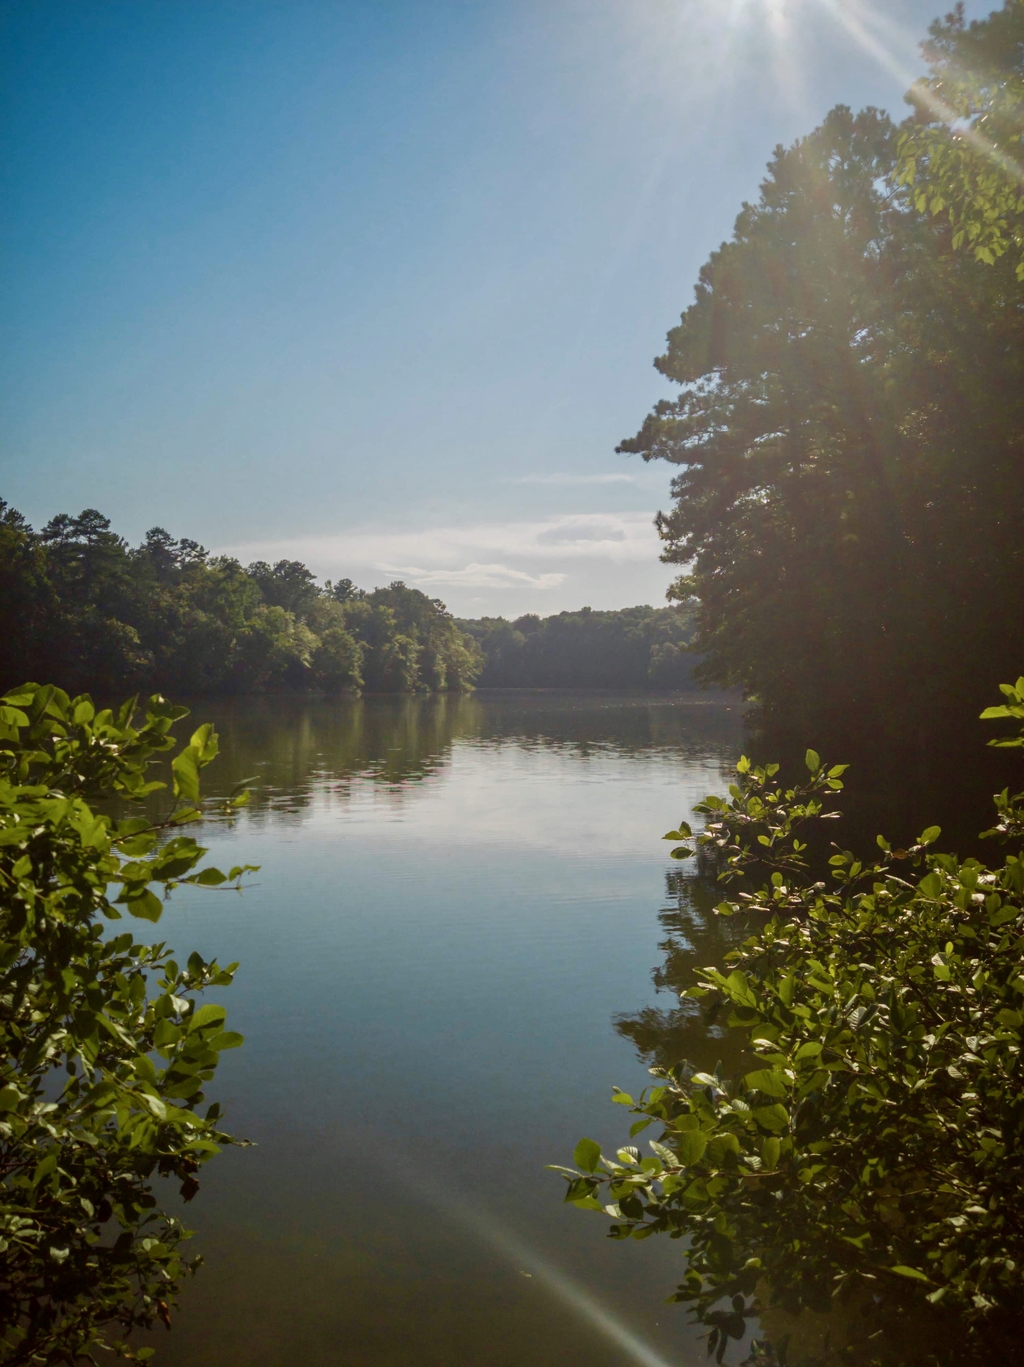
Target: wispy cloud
<point>544,565</point>
<point>529,548</point>
<point>474,576</point>
<point>576,532</point>
<point>571,479</point>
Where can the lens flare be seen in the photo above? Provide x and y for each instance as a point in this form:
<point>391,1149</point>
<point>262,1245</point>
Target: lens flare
<point>489,1230</point>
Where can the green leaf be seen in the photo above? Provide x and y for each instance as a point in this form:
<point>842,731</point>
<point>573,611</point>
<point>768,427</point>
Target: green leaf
<point>206,1015</point>
<point>769,1081</point>
<point>664,1153</point>
<point>772,1117</point>
<point>721,1146</point>
<point>930,885</point>
<point>227,1039</point>
<point>19,699</point>
<point>144,905</point>
<point>813,761</point>
<point>902,1270</point>
<point>44,1167</point>
<point>690,1146</point>
<point>204,742</point>
<point>737,989</point>
<point>156,1107</point>
<point>185,768</point>
<point>209,878</point>
<point>587,1155</point>
<point>929,835</point>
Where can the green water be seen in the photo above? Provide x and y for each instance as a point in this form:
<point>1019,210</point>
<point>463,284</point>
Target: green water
<point>461,936</point>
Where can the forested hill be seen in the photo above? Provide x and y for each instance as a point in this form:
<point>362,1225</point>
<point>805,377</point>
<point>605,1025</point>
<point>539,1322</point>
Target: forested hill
<point>82,608</point>
<point>637,648</point>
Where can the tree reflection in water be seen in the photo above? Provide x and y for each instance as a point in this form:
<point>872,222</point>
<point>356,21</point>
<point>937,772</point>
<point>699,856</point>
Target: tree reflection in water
<point>694,936</point>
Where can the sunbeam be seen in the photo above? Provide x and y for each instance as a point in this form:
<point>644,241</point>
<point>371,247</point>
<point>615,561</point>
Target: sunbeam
<point>855,17</point>
<point>487,1228</point>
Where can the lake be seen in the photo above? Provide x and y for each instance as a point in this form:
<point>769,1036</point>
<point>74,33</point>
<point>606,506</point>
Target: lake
<point>454,945</point>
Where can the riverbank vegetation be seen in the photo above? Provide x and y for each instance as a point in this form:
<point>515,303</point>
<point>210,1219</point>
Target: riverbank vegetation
<point>105,1052</point>
<point>849,435</point>
<point>862,1158</point>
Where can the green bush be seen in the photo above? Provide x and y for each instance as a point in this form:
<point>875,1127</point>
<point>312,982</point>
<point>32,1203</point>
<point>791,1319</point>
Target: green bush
<point>869,1151</point>
<point>104,1052</point>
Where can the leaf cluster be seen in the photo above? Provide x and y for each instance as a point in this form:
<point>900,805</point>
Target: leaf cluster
<point>104,1051</point>
<point>963,154</point>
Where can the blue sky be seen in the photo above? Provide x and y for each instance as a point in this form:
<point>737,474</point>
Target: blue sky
<point>377,285</point>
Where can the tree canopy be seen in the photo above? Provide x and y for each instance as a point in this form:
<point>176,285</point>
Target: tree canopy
<point>78,604</point>
<point>849,436</point>
<point>104,1050</point>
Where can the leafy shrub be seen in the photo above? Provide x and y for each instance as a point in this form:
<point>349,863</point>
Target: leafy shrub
<point>100,1074</point>
<point>870,1149</point>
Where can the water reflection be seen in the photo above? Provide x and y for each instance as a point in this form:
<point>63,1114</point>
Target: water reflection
<point>455,895</point>
<point>297,747</point>
<point>694,937</point>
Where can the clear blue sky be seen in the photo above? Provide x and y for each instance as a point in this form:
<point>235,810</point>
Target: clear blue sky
<point>376,284</point>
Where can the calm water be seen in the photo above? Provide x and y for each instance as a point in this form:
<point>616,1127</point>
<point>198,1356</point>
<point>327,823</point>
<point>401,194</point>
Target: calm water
<point>459,901</point>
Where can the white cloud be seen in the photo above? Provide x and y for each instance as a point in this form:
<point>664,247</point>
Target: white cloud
<point>571,479</point>
<point>611,536</point>
<point>592,530</point>
<point>546,565</point>
<point>474,576</point>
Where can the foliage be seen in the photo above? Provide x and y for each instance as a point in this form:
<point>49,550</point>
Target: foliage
<point>964,153</point>
<point>639,647</point>
<point>80,605</point>
<point>848,439</point>
<point>868,1149</point>
<point>414,643</point>
<point>105,1052</point>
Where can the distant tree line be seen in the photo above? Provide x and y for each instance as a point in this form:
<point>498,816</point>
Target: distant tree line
<point>636,648</point>
<point>848,434</point>
<point>82,608</point>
